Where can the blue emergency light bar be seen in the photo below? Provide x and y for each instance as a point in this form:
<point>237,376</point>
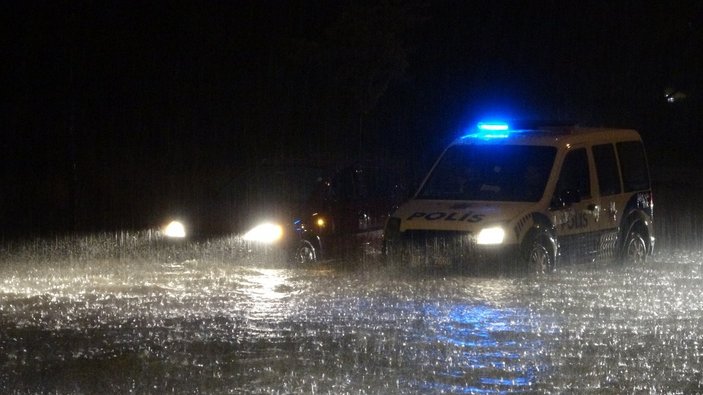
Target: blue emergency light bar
<point>493,126</point>
<point>503,130</point>
<point>490,131</point>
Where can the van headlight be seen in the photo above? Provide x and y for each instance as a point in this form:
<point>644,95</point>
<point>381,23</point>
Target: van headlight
<point>492,235</point>
<point>264,233</point>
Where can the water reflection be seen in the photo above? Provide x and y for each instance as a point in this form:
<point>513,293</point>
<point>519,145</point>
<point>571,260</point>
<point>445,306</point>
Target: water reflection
<point>200,326</point>
<point>482,348</point>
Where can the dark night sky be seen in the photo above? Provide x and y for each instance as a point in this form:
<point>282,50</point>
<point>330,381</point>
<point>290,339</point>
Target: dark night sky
<point>116,111</point>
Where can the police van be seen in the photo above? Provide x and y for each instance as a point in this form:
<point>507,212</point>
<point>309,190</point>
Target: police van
<point>531,195</point>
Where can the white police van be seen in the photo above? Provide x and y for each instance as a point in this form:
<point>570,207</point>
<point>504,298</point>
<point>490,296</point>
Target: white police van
<point>535,195</point>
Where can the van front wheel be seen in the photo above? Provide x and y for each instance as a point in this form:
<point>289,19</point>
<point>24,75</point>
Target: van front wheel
<point>635,250</point>
<point>538,258</point>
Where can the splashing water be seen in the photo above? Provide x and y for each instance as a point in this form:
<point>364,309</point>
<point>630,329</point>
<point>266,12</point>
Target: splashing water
<point>187,322</point>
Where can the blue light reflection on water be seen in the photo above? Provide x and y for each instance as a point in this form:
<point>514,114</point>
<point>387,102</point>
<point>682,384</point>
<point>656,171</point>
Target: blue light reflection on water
<point>498,349</point>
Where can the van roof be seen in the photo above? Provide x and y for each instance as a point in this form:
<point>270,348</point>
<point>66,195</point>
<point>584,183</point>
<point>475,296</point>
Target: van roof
<point>555,134</point>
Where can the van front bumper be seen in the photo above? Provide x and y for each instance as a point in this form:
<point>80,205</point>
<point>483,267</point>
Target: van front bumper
<point>448,248</point>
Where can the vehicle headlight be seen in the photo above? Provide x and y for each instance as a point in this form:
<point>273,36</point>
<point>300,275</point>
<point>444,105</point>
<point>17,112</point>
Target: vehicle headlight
<point>493,235</point>
<point>264,233</point>
<point>175,229</point>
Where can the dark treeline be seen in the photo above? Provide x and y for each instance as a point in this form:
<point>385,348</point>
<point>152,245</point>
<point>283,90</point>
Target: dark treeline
<point>121,111</point>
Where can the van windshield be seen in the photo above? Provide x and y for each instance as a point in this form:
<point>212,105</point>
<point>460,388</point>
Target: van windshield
<point>490,172</point>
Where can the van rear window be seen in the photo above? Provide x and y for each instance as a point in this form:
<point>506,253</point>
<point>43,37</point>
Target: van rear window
<point>633,163</point>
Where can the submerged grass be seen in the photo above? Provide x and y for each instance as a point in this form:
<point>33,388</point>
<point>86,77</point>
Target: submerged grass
<point>129,246</point>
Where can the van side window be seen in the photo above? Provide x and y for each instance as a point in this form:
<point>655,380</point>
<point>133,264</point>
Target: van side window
<point>607,169</point>
<point>574,174</point>
<point>635,175</point>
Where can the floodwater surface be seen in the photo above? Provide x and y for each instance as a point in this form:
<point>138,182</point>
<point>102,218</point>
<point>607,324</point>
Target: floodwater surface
<point>213,326</point>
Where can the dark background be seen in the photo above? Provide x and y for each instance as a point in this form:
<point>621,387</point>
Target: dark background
<point>114,113</point>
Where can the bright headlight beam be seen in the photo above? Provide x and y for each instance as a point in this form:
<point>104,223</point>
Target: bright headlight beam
<point>494,235</point>
<point>264,233</point>
<point>175,229</point>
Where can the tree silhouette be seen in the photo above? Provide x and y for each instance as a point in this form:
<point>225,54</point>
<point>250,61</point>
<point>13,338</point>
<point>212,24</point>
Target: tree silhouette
<point>323,83</point>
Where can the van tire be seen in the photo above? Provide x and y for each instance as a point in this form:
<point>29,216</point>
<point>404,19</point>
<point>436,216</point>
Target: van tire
<point>538,258</point>
<point>634,250</point>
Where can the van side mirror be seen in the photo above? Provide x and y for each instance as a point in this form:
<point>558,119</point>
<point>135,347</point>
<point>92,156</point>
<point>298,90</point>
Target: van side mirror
<point>566,198</point>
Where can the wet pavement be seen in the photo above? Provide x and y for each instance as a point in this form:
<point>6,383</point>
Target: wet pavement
<point>207,326</point>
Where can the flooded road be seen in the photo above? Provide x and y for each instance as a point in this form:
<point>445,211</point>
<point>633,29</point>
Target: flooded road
<point>203,326</point>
